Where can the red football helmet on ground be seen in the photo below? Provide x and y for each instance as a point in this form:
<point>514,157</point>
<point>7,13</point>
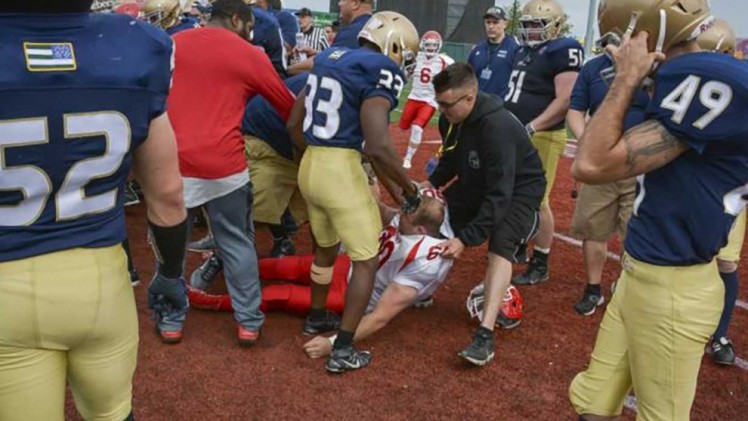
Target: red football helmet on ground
<point>431,43</point>
<point>510,312</point>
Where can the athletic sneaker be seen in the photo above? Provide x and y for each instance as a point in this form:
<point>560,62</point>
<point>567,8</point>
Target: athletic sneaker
<point>535,274</point>
<point>204,244</point>
<point>482,349</point>
<point>347,359</point>
<point>204,275</point>
<point>591,300</point>
<point>328,323</point>
<point>134,277</point>
<point>722,351</point>
<point>246,337</point>
<point>283,247</point>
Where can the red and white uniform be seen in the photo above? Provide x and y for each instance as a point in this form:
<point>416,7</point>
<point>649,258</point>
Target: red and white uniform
<point>410,260</point>
<point>421,103</point>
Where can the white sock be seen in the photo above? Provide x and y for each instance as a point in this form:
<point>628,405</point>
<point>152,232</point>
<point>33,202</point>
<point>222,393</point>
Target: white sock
<point>416,134</point>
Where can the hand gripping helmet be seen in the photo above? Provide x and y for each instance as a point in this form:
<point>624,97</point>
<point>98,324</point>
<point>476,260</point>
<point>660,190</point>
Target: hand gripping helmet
<point>547,13</point>
<point>510,310</point>
<point>719,38</point>
<point>163,13</point>
<point>668,22</point>
<point>431,43</point>
<point>394,34</point>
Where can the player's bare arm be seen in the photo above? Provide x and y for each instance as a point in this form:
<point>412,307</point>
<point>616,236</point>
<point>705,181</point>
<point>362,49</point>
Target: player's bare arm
<point>576,120</point>
<point>295,124</point>
<point>156,168</point>
<point>379,148</point>
<point>556,110</point>
<point>304,66</point>
<point>605,153</point>
<point>395,299</point>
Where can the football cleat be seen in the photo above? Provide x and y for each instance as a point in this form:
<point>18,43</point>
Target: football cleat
<point>510,312</point>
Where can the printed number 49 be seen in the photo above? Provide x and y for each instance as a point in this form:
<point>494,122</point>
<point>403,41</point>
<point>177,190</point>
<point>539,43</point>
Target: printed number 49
<point>71,200</point>
<point>715,96</point>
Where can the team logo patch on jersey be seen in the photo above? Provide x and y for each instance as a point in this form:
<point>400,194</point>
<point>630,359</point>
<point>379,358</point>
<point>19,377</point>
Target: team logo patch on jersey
<point>49,57</point>
<point>473,160</point>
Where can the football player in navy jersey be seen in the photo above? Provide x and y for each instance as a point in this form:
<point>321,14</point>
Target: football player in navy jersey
<point>720,38</point>
<point>545,69</point>
<point>349,96</point>
<point>167,14</point>
<point>82,100</point>
<point>691,159</point>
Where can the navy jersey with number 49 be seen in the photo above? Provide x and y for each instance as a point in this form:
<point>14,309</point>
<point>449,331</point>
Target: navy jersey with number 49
<point>77,94</point>
<point>341,81</point>
<point>683,211</point>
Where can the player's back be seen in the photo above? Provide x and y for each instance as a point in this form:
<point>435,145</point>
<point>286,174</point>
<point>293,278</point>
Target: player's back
<point>341,81</point>
<point>77,94</point>
<point>684,210</point>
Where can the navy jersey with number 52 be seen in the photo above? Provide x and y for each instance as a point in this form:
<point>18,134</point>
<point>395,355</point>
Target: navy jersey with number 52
<point>77,95</point>
<point>684,210</point>
<point>341,81</point>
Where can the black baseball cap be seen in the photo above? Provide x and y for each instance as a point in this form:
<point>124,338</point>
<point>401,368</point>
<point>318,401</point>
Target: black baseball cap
<point>496,13</point>
<point>304,11</point>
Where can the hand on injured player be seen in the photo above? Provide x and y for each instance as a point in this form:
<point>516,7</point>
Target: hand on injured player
<point>318,347</point>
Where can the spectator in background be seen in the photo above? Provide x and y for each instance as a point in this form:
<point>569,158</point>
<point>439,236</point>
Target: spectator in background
<point>217,72</point>
<point>492,59</point>
<point>267,35</point>
<point>288,24</point>
<point>315,37</point>
<point>330,32</point>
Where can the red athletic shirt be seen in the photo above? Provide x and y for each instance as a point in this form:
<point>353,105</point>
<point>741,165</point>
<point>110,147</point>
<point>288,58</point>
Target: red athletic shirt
<point>215,73</point>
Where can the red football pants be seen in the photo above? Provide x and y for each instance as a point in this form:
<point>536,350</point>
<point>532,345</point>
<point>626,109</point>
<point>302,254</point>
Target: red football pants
<point>294,296</point>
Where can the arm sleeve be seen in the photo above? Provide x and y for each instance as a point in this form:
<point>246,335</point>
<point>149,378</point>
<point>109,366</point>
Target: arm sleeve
<point>446,168</point>
<point>289,28</point>
<point>162,69</point>
<point>263,80</point>
<point>500,158</point>
<point>580,95</point>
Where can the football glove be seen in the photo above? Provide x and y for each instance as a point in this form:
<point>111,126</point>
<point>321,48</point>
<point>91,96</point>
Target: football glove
<point>167,298</point>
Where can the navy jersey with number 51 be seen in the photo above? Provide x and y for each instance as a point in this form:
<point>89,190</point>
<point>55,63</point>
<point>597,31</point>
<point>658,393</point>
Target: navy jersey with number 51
<point>341,81</point>
<point>77,95</point>
<point>683,211</point>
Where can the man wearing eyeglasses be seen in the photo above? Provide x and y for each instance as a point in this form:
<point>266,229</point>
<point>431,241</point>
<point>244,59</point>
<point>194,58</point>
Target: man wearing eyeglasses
<point>498,185</point>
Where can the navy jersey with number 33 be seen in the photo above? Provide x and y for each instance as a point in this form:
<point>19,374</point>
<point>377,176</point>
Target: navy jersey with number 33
<point>341,81</point>
<point>77,95</point>
<point>684,210</point>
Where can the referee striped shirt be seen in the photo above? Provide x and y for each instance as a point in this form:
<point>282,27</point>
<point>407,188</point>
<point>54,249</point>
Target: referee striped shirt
<point>317,39</point>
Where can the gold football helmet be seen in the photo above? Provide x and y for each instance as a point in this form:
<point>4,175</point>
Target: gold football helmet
<point>394,34</point>
<point>540,21</point>
<point>668,22</point>
<point>720,38</point>
<point>163,13</point>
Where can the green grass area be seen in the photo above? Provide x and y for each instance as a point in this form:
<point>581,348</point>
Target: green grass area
<point>395,115</point>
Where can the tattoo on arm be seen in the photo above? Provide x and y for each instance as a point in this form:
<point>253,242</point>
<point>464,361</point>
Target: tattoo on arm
<point>650,146</point>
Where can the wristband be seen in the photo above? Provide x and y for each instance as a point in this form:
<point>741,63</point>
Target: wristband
<point>169,245</point>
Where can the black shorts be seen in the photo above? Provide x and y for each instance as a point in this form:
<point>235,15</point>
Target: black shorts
<point>509,239</point>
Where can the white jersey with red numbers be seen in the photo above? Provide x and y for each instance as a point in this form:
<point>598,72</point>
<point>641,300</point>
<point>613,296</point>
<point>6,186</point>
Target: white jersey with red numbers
<point>426,69</point>
<point>410,260</point>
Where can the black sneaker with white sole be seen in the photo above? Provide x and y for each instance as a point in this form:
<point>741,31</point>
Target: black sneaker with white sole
<point>591,300</point>
<point>424,302</point>
<point>347,359</point>
<point>722,351</point>
<point>507,323</point>
<point>483,348</point>
<point>536,273</point>
<point>315,326</point>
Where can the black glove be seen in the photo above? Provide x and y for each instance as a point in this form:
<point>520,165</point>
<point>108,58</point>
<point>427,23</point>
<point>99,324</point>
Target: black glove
<point>411,203</point>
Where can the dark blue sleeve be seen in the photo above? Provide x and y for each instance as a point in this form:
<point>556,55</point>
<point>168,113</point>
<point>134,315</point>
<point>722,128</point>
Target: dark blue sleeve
<point>567,56</point>
<point>160,54</point>
<point>289,27</point>
<point>382,78</point>
<point>580,95</point>
<point>685,84</point>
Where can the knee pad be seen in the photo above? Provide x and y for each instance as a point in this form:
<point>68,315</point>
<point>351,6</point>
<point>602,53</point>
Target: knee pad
<point>726,266</point>
<point>321,275</point>
<point>416,134</point>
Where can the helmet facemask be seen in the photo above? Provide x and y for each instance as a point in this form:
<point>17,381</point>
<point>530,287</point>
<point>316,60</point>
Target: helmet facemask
<point>542,31</point>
